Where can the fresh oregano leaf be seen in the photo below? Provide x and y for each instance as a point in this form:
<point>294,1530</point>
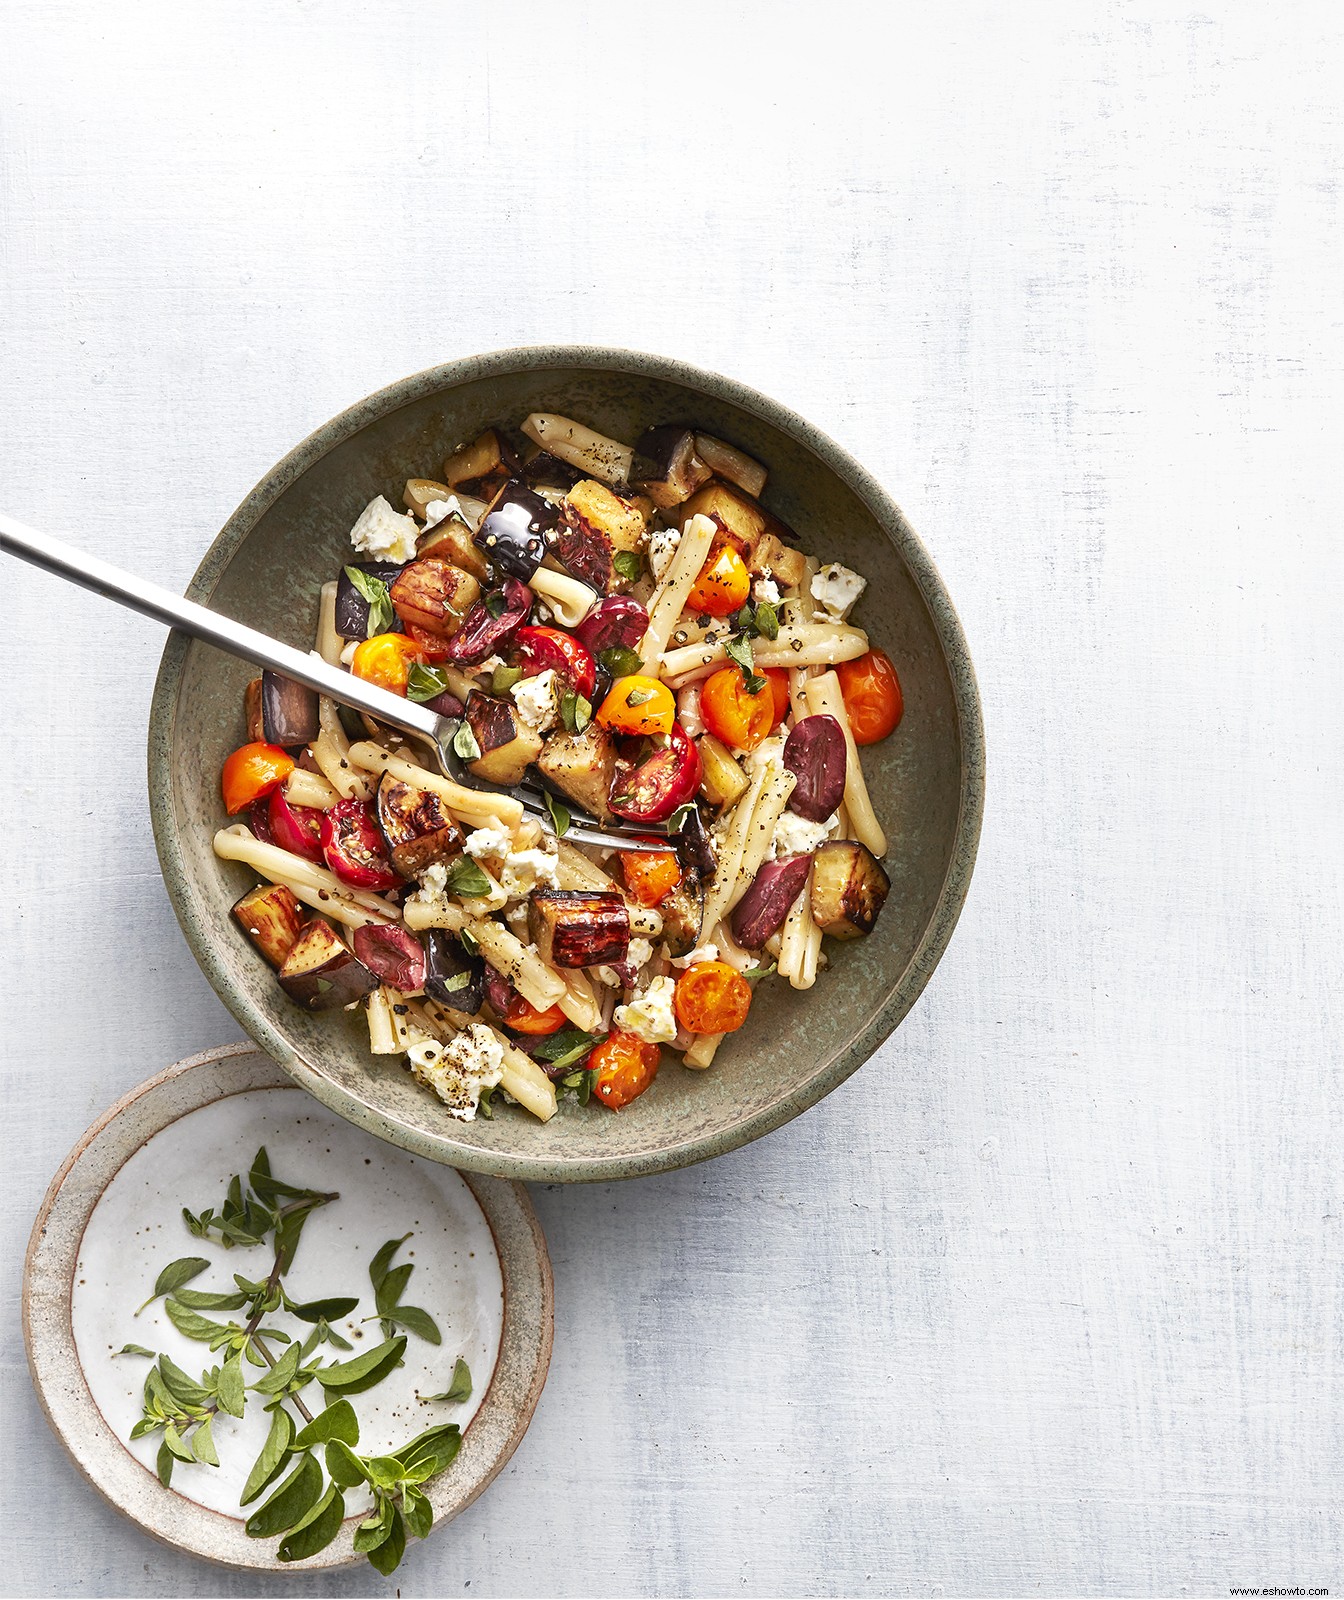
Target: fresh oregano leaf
<point>758,972</point>
<point>438,1444</point>
<point>273,1454</point>
<point>767,620</point>
<point>203,1300</point>
<point>317,1529</point>
<point>630,564</point>
<point>203,1445</point>
<point>386,1557</point>
<point>338,1421</point>
<point>164,1465</point>
<point>230,1390</point>
<point>496,604</point>
<point>174,1275</point>
<point>375,591</point>
<point>363,1371</point>
<point>419,1514</point>
<point>620,661</point>
<point>417,1321</point>
<point>382,1261</point>
<point>504,678</point>
<point>176,1443</point>
<point>343,1466</point>
<point>182,1388</point>
<point>424,683</point>
<point>393,1286</point>
<point>375,1527</point>
<point>739,650</point>
<point>135,1350</point>
<point>567,1046</point>
<point>323,1310</point>
<point>281,1374</point>
<point>192,1323</point>
<point>460,1387</point>
<point>292,1501</point>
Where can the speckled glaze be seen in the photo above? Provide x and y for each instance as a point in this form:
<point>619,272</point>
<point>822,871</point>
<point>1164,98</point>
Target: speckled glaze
<point>290,534</point>
<point>67,1393</point>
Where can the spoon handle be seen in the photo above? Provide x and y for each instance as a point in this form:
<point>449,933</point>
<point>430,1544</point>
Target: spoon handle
<point>223,632</point>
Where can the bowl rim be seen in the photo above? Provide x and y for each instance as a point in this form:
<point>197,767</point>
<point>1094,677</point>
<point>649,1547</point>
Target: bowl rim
<point>200,930</point>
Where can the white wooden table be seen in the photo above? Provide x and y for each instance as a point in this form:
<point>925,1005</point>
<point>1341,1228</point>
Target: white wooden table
<point>1047,1300</point>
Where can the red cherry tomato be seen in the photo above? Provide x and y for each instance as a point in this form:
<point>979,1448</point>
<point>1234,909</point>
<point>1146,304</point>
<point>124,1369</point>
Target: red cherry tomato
<point>650,875</point>
<point>252,771</point>
<point>625,1066</point>
<point>731,713</point>
<point>872,695</point>
<point>778,679</point>
<point>712,997</point>
<point>525,1018</point>
<point>548,649</point>
<point>668,779</point>
<point>294,828</point>
<point>353,846</point>
<point>723,585</point>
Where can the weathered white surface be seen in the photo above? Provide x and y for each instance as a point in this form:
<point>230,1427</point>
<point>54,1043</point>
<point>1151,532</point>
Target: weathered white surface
<point>1047,1300</point>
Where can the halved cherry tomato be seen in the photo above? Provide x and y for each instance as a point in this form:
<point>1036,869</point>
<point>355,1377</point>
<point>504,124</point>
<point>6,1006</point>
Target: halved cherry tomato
<point>872,694</point>
<point>712,997</point>
<point>386,660</point>
<point>432,646</point>
<point>625,1066</point>
<point>294,828</point>
<point>353,846</point>
<point>252,771</point>
<point>668,779</point>
<point>723,584</point>
<point>525,1018</point>
<point>778,679</point>
<point>740,719</point>
<point>638,705</point>
<point>650,875</point>
<point>542,649</point>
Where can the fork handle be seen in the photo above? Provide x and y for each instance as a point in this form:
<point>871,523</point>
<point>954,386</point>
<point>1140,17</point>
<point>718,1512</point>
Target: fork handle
<point>77,567</point>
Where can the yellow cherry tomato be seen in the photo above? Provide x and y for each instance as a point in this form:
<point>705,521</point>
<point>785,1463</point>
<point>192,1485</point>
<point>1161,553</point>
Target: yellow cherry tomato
<point>723,584</point>
<point>251,772</point>
<point>386,660</point>
<point>638,705</point>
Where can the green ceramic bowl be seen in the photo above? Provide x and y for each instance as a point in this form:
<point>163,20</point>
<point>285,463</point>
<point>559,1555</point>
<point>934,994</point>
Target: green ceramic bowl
<point>927,780</point>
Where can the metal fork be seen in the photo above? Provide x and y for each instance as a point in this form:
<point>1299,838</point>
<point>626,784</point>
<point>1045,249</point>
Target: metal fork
<point>89,572</point>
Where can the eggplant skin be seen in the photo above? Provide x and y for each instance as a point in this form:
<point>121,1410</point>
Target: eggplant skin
<point>321,972</point>
<point>416,826</point>
<point>272,918</point>
<point>849,888</point>
<point>581,766</point>
<point>579,928</point>
<point>666,466</point>
<point>288,711</point>
<point>256,726</point>
<point>508,745</point>
<point>683,912</point>
<point>452,977</point>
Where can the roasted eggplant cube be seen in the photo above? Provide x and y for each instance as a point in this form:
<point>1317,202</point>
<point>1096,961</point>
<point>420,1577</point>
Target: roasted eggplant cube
<point>722,781</point>
<point>452,977</point>
<point>623,518</point>
<point>579,928</point>
<point>849,887</point>
<point>352,609</point>
<point>451,540</point>
<point>508,745</point>
<point>695,843</point>
<point>770,556</point>
<point>322,973</point>
<point>288,711</point>
<point>435,596</point>
<point>512,534</point>
<point>581,766</point>
<point>738,512</point>
<point>273,918</point>
<point>666,467</point>
<point>683,912</point>
<point>416,826</point>
<point>484,463</point>
<point>256,728</point>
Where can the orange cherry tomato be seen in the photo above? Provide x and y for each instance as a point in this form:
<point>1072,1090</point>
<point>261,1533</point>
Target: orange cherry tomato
<point>638,705</point>
<point>525,1018</point>
<point>625,1067</point>
<point>386,660</point>
<point>738,718</point>
<point>872,695</point>
<point>723,584</point>
<point>778,679</point>
<point>712,997</point>
<point>252,771</point>
<point>650,875</point>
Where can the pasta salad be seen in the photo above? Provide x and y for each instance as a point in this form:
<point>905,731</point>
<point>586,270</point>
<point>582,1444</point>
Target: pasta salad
<point>633,626</point>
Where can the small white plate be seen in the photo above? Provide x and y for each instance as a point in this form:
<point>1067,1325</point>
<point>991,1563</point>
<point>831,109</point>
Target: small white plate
<point>112,1219</point>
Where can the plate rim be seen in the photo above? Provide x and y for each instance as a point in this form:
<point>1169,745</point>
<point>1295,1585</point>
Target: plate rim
<point>63,1393</point>
<point>909,984</point>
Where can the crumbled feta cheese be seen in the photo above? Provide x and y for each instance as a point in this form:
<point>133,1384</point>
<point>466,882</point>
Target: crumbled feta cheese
<point>537,700</point>
<point>348,651</point>
<point>457,1071</point>
<point>385,534</point>
<point>526,870</point>
<point>639,954</point>
<point>837,588</point>
<point>765,590</point>
<point>796,836</point>
<point>649,1015</point>
<point>488,842</point>
<point>437,510</point>
<point>663,544</point>
<point>704,952</point>
<point>433,890</point>
<point>609,976</point>
<point>489,664</point>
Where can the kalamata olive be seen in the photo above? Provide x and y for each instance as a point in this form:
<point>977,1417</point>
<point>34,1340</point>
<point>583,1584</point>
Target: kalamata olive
<point>288,710</point>
<point>762,910</point>
<point>815,753</point>
<point>393,954</point>
<point>617,620</point>
<point>545,471</point>
<point>498,990</point>
<point>490,624</point>
<point>512,535</point>
<point>445,705</point>
<point>583,550</point>
<point>452,977</point>
<point>352,609</point>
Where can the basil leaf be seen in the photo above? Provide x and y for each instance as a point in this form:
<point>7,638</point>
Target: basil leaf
<point>620,661</point>
<point>174,1275</point>
<point>423,683</point>
<point>338,1421</point>
<point>767,620</point>
<point>317,1529</point>
<point>464,743</point>
<point>560,820</point>
<point>504,678</point>
<point>292,1501</point>
<point>630,564</point>
<point>417,1321</point>
<point>353,1377</point>
<point>465,878</point>
<point>386,1557</point>
<point>273,1454</point>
